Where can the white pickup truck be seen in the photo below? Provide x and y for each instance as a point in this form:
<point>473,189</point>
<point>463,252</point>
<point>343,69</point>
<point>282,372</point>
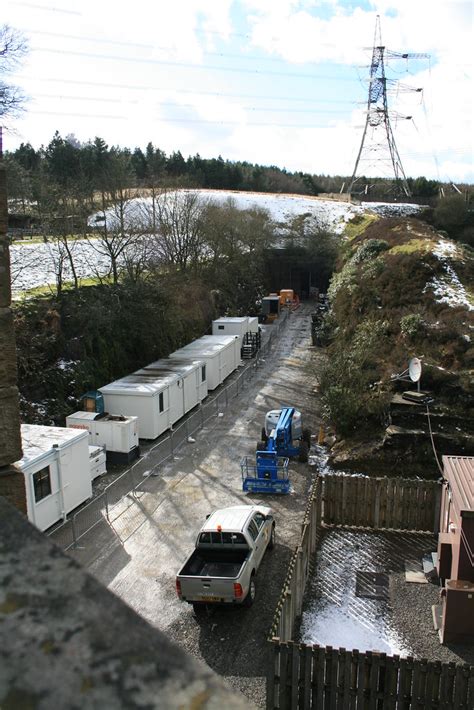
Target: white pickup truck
<point>229,549</point>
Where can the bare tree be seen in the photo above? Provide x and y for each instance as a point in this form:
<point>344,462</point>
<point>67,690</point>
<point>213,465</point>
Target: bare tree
<point>180,220</point>
<point>13,48</point>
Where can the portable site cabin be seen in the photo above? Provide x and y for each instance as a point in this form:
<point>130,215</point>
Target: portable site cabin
<point>252,326</point>
<point>455,556</point>
<point>232,341</point>
<point>218,356</point>
<point>271,306</point>
<point>231,326</point>
<point>158,395</point>
<point>117,433</point>
<point>57,471</point>
<point>147,398</point>
<point>192,381</point>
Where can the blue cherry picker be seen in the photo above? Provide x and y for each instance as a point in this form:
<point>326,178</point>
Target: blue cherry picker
<point>282,438</point>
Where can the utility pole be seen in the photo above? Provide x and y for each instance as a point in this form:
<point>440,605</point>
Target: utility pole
<point>378,147</point>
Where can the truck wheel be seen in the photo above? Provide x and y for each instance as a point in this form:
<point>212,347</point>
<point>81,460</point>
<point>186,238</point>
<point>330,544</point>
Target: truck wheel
<point>271,542</point>
<point>250,598</point>
<point>307,436</point>
<point>303,452</point>
<point>200,610</point>
<point>261,446</point>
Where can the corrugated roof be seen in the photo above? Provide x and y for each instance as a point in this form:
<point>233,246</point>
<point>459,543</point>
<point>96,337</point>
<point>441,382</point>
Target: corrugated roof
<point>459,471</point>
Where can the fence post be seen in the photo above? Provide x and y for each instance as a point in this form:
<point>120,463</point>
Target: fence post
<point>74,535</point>
<point>171,441</point>
<point>272,671</point>
<point>106,504</point>
<point>376,517</point>
<point>226,398</point>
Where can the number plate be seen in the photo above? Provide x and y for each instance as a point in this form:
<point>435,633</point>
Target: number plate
<point>210,599</point>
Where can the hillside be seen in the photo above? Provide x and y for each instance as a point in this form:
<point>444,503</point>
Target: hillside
<point>401,290</point>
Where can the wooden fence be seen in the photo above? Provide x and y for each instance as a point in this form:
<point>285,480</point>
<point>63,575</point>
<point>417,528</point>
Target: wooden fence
<point>381,503</point>
<point>325,678</point>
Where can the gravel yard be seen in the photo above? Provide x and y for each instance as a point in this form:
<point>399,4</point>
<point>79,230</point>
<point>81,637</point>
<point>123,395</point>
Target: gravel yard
<point>152,532</point>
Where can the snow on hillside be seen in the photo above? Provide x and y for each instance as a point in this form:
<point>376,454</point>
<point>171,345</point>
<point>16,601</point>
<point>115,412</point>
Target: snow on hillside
<point>34,265</point>
<point>448,288</point>
<point>330,214</point>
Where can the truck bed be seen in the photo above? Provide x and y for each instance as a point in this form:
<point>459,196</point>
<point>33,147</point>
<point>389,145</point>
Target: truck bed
<point>214,563</point>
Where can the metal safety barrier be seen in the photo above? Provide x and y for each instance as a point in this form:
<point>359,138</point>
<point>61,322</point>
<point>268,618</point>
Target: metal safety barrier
<point>99,509</point>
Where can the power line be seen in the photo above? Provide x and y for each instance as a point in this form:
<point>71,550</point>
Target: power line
<point>61,97</point>
<point>179,105</point>
<point>187,65</point>
<point>49,9</point>
<point>79,115</point>
<point>183,120</point>
<point>102,40</point>
<point>147,87</point>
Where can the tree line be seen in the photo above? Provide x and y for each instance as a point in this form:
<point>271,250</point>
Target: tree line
<point>89,166</point>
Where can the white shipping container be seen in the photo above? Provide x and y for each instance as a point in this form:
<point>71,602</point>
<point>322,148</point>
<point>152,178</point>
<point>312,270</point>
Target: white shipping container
<point>230,326</point>
<point>117,433</point>
<point>252,324</point>
<point>192,383</point>
<point>57,472</point>
<point>152,398</point>
<point>218,356</point>
<point>235,349</point>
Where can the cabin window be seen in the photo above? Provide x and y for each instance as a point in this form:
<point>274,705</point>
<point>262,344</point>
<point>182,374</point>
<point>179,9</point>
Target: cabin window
<point>161,402</point>
<point>203,373</point>
<point>42,483</point>
<point>221,327</point>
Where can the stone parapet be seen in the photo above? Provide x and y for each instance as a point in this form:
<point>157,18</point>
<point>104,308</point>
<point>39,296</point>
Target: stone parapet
<point>67,642</point>
<point>12,486</point>
<point>10,436</point>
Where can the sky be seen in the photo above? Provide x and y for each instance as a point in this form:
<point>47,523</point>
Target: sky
<point>274,82</point>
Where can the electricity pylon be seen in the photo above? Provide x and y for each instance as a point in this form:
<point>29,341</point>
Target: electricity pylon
<point>378,143</point>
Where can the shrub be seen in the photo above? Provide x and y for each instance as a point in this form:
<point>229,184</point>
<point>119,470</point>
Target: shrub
<point>370,249</point>
<point>411,325</point>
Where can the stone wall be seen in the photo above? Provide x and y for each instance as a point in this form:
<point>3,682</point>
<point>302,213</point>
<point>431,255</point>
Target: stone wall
<point>66,642</point>
<point>12,484</point>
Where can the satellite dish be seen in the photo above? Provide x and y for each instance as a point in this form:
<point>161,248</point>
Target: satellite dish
<point>414,369</point>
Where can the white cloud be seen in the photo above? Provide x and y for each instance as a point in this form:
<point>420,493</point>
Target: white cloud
<point>148,40</point>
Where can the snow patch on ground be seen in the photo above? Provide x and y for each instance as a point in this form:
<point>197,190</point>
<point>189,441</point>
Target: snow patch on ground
<point>34,265</point>
<point>448,288</point>
<point>335,615</point>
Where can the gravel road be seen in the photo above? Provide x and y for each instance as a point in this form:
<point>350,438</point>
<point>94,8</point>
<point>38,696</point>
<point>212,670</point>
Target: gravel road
<point>153,531</point>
